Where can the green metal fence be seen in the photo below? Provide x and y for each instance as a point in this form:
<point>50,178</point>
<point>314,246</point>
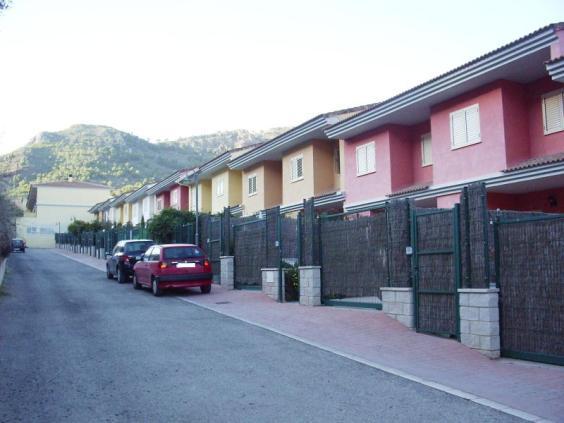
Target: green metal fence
<point>436,268</point>
<point>530,276</point>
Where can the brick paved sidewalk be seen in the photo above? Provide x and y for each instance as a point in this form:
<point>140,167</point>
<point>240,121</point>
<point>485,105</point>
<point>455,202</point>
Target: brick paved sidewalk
<point>370,336</point>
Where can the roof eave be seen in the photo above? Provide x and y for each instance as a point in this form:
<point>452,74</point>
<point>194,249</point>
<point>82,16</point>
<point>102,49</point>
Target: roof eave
<point>350,127</point>
<point>211,167</point>
<point>295,136</point>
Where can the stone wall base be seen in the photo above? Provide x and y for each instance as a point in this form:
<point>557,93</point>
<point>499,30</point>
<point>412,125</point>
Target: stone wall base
<point>479,320</point>
<point>271,282</point>
<point>310,285</point>
<point>227,264</point>
<point>398,304</point>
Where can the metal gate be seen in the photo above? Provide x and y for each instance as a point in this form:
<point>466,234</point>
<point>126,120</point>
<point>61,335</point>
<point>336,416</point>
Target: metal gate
<point>212,236</point>
<point>256,245</point>
<point>353,258</point>
<point>530,277</point>
<point>436,270</point>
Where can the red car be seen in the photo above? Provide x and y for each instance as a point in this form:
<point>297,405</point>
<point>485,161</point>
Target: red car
<point>173,266</point>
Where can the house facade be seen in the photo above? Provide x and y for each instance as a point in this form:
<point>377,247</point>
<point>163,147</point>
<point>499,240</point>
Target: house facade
<point>52,206</point>
<point>498,119</point>
<point>167,193</point>
<point>299,164</point>
<point>136,201</point>
<point>215,186</point>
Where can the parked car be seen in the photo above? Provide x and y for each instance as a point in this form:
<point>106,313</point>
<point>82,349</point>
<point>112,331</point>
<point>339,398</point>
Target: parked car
<point>173,266</point>
<point>18,244</point>
<point>125,254</point>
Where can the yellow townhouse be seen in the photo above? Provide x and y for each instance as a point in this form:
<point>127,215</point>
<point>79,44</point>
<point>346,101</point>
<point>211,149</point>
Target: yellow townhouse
<point>299,164</point>
<point>215,185</point>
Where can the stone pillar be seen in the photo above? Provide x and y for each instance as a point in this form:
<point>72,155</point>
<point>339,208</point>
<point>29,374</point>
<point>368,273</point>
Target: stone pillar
<point>227,272</point>
<point>479,320</point>
<point>398,304</point>
<point>270,282</point>
<point>310,285</point>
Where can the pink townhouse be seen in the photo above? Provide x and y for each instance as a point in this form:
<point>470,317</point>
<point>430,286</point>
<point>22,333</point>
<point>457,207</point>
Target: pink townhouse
<point>169,193</point>
<point>498,119</point>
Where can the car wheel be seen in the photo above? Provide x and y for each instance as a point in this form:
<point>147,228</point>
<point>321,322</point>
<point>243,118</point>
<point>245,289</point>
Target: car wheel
<point>136,284</point>
<point>206,289</point>
<point>155,288</point>
<point>109,274</point>
<point>121,276</point>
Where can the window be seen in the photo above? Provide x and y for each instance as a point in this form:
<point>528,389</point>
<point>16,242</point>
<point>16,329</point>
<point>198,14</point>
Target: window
<point>137,246</point>
<point>553,112</point>
<point>174,197</point>
<point>219,188</point>
<point>147,254</point>
<point>159,204</point>
<point>426,152</point>
<point>182,253</point>
<point>155,254</point>
<point>465,127</point>
<point>252,184</point>
<point>297,168</point>
<point>41,230</point>
<point>365,159</point>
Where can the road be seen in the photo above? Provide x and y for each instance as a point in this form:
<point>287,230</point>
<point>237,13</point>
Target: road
<point>77,347</point>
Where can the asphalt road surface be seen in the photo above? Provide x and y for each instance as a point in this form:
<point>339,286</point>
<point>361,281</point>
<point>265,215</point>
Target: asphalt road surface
<point>77,347</point>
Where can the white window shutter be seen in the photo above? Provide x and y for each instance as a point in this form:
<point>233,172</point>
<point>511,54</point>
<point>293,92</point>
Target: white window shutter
<point>360,160</point>
<point>293,169</point>
<point>299,168</point>
<point>458,128</point>
<point>426,150</point>
<point>370,157</point>
<point>553,113</point>
<point>472,125</point>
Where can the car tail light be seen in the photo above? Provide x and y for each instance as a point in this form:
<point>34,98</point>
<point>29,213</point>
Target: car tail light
<point>163,265</point>
<point>124,258</point>
<point>207,265</point>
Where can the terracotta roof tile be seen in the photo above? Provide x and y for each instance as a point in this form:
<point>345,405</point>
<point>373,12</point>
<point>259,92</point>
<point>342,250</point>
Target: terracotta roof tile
<point>536,161</point>
<point>409,189</point>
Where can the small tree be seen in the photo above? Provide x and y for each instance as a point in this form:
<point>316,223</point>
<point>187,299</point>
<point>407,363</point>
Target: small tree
<point>161,227</point>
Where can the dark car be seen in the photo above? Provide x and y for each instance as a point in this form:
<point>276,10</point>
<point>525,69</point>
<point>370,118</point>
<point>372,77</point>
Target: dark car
<point>125,254</point>
<point>18,245</point>
<point>173,266</point>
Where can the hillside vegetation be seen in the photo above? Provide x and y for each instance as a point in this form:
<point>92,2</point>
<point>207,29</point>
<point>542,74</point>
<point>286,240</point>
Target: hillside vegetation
<point>107,155</point>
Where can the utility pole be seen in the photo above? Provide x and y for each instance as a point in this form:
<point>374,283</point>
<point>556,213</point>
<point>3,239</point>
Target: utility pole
<point>197,232</point>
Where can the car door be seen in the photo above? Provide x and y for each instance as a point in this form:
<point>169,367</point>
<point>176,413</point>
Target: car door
<point>141,268</point>
<point>115,256</point>
<point>153,268</point>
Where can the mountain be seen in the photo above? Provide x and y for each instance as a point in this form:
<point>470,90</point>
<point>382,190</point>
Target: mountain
<point>106,155</point>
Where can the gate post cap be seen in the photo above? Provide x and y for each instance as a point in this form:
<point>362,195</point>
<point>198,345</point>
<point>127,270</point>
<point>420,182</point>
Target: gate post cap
<point>478,290</point>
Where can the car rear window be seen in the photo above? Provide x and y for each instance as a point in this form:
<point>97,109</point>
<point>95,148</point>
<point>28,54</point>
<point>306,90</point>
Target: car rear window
<point>177,253</point>
<point>137,246</point>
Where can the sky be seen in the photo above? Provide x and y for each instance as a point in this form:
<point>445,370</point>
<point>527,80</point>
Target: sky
<point>172,68</point>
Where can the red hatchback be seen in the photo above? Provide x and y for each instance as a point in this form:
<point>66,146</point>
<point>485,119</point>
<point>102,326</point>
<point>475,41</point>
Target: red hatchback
<point>173,266</point>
